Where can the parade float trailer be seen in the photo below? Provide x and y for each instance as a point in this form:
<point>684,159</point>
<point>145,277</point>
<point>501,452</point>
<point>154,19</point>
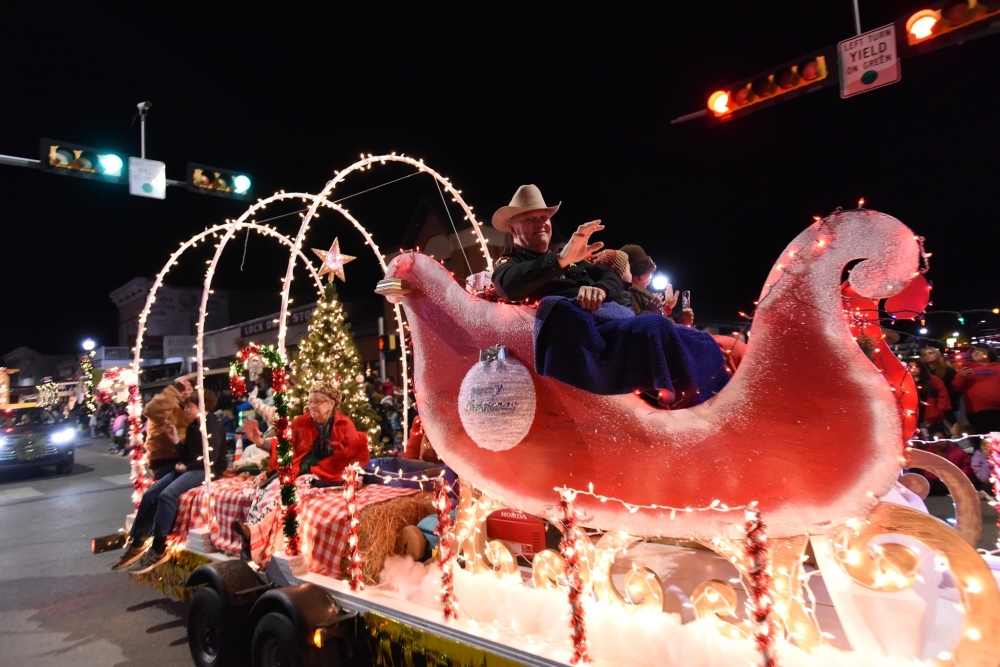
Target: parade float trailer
<point>779,495</point>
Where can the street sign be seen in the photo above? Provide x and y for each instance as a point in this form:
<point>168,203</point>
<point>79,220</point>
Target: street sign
<point>147,178</point>
<point>868,61</point>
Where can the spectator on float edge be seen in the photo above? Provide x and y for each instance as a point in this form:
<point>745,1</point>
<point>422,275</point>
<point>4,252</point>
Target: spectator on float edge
<point>158,507</point>
<point>168,405</point>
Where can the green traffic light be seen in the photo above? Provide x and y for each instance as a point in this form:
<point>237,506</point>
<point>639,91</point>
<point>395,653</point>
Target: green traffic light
<point>241,184</point>
<point>111,164</point>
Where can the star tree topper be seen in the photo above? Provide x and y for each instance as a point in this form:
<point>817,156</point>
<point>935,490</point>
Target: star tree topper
<point>333,261</point>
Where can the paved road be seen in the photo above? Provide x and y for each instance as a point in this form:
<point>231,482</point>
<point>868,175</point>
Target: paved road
<point>59,603</point>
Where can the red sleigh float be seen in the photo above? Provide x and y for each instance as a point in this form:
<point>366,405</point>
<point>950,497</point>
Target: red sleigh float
<point>808,428</point>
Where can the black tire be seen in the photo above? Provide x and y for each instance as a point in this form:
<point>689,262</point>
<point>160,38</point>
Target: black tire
<point>276,644</point>
<point>67,465</point>
<point>210,636</point>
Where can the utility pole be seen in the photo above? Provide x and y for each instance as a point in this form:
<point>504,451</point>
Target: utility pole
<point>144,108</point>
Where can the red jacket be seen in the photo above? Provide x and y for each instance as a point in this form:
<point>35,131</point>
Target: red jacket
<point>349,446</point>
<point>936,406</point>
<point>982,388</point>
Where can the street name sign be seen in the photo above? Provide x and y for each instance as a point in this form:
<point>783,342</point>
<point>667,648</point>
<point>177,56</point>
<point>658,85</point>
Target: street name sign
<point>868,61</point>
<point>147,178</point>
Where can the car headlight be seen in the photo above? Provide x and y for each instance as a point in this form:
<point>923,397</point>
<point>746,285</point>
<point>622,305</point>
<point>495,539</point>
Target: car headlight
<point>62,437</point>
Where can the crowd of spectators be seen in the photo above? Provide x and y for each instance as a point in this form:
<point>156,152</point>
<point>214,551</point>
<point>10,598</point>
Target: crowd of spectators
<point>959,396</point>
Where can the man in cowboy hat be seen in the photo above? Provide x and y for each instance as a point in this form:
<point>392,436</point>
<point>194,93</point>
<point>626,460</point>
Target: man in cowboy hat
<point>529,270</point>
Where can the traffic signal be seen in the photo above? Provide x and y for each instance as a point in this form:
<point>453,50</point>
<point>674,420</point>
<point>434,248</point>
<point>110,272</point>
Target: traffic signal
<point>789,80</point>
<point>219,182</point>
<point>945,23</point>
<point>82,161</point>
<point>389,346</point>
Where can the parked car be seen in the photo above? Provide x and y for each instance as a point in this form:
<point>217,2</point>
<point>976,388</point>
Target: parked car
<point>32,437</point>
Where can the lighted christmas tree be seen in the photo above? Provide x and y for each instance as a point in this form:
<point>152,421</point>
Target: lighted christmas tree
<point>328,353</point>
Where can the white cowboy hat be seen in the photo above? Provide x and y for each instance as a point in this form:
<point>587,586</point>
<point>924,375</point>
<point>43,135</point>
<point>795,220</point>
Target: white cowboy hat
<point>527,198</point>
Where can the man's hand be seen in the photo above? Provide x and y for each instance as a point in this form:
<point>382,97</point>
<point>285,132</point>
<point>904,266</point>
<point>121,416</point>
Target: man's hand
<point>181,468</point>
<point>686,317</point>
<point>171,431</point>
<point>966,372</point>
<point>577,249</point>
<point>590,298</point>
<point>669,299</point>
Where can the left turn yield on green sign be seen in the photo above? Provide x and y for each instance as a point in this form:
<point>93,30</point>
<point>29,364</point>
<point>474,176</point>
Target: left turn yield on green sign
<point>147,178</point>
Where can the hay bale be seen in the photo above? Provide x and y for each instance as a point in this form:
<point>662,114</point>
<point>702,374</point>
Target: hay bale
<point>379,524</point>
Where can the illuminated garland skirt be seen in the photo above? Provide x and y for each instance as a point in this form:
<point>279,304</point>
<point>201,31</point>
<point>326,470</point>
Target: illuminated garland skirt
<point>274,362</point>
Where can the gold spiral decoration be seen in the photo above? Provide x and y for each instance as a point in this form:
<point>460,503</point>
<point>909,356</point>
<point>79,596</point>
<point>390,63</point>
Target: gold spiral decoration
<point>892,567</point>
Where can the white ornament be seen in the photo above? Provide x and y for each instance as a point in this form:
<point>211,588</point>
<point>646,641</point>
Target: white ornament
<point>497,401</point>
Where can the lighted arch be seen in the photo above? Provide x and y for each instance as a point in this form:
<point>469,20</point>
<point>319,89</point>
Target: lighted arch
<point>192,242</point>
<point>135,407</point>
<point>231,228</point>
<point>323,200</point>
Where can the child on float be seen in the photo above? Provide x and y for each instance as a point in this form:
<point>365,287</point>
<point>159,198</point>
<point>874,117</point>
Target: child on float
<point>324,442</point>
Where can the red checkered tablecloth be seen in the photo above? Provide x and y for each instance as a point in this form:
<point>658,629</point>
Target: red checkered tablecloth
<point>323,523</point>
<point>232,497</point>
<point>322,517</point>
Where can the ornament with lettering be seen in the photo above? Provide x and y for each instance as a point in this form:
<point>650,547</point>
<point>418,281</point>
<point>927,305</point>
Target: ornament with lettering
<point>497,401</point>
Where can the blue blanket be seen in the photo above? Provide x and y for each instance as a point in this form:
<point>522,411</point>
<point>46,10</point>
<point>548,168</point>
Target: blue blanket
<point>617,352</point>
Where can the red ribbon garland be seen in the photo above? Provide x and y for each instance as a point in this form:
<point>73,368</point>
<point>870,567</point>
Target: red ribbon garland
<point>994,442</point>
<point>137,451</point>
<point>756,551</point>
<point>442,503</point>
<point>570,552</point>
<point>352,481</point>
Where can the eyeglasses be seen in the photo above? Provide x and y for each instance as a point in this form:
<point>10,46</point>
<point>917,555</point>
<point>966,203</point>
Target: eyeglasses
<point>312,402</point>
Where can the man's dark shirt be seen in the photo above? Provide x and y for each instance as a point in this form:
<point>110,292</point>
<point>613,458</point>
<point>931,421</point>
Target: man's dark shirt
<point>520,273</point>
<point>190,450</point>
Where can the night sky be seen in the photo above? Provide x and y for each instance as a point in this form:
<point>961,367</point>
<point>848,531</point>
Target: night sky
<point>575,97</point>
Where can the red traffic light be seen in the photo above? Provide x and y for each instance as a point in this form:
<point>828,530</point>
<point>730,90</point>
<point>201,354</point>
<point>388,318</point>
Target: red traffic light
<point>948,17</point>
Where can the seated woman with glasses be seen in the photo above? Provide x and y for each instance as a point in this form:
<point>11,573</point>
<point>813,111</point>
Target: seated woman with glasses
<point>324,443</point>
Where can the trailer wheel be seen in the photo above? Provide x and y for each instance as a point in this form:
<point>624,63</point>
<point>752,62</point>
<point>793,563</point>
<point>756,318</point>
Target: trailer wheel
<point>209,634</point>
<point>276,644</point>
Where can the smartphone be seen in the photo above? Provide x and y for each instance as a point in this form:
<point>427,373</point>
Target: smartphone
<point>685,300</point>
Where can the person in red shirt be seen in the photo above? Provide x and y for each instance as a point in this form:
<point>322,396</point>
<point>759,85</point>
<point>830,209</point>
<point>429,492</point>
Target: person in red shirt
<point>980,383</point>
<point>935,404</point>
<point>324,443</point>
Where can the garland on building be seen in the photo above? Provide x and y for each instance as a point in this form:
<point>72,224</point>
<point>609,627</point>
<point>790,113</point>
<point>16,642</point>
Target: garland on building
<point>279,384</point>
<point>87,368</point>
<point>48,393</point>
<point>328,352</point>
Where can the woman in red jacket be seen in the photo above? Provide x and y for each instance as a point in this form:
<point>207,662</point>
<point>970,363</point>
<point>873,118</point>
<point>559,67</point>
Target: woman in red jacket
<point>934,402</point>
<point>324,443</point>
<point>980,382</point>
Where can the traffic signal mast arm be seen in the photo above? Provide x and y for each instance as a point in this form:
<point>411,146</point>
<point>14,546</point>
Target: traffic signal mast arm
<point>942,24</point>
